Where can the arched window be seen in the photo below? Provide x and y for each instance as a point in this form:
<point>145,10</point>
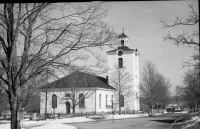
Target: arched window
<point>122,43</point>
<point>109,101</point>
<point>67,95</point>
<point>99,100</point>
<point>54,101</point>
<point>81,101</point>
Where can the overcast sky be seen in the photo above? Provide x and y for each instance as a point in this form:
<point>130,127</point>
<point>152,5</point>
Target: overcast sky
<point>140,20</point>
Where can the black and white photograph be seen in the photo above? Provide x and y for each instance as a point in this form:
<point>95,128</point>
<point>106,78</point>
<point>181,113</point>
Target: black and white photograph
<point>100,65</point>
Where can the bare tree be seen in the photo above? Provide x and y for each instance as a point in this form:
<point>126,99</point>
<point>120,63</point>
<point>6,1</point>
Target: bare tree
<point>154,88</point>
<point>121,80</point>
<point>177,97</point>
<point>190,39</point>
<point>4,105</point>
<point>191,87</point>
<point>37,36</point>
<point>33,105</point>
<point>186,38</point>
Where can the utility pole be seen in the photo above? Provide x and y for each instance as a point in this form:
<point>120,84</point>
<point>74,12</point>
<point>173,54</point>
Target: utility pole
<point>112,109</point>
<point>46,96</point>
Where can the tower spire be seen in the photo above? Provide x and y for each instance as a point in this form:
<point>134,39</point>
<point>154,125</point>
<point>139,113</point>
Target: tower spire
<point>123,29</point>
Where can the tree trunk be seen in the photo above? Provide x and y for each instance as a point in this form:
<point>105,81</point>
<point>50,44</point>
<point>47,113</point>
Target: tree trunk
<point>119,106</point>
<point>119,110</point>
<point>198,109</point>
<point>152,109</point>
<point>157,108</point>
<point>74,109</point>
<point>14,109</point>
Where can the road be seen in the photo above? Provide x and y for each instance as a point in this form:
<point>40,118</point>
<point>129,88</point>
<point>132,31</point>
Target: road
<point>156,122</point>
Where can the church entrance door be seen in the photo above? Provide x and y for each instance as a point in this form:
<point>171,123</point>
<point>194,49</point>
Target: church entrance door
<point>67,107</point>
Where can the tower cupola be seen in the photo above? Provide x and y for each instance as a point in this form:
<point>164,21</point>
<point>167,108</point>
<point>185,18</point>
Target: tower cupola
<point>123,40</point>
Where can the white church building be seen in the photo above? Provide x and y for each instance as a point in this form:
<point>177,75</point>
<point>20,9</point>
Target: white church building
<point>93,94</point>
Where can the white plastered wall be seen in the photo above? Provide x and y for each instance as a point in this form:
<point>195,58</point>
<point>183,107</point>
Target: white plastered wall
<point>131,62</point>
<point>90,102</point>
<point>61,106</point>
<point>103,107</point>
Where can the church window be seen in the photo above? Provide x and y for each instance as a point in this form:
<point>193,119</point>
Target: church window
<point>106,100</point>
<point>54,101</point>
<point>122,43</point>
<point>135,63</point>
<point>109,101</point>
<point>67,95</point>
<point>81,101</point>
<point>99,100</point>
<point>120,61</point>
<point>112,101</point>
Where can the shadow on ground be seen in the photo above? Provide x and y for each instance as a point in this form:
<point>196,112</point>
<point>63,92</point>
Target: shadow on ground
<point>173,117</point>
<point>30,127</point>
<point>165,121</point>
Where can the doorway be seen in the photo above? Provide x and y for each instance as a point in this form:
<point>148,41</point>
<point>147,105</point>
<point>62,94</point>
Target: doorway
<point>67,107</point>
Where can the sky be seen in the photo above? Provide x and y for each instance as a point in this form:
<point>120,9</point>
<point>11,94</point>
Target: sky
<point>140,20</point>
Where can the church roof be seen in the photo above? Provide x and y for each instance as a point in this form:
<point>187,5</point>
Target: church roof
<point>122,36</point>
<point>125,48</point>
<point>79,80</point>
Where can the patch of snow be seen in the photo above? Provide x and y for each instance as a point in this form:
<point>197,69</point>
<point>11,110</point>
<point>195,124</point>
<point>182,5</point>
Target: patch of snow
<point>189,125</point>
<point>5,126</point>
<point>71,120</point>
<point>193,119</point>
<point>45,126</point>
<point>165,112</point>
<point>26,123</point>
<point>193,122</point>
<point>54,126</point>
<point>125,116</point>
<point>181,112</point>
<point>184,112</point>
<point>158,114</point>
<point>198,119</point>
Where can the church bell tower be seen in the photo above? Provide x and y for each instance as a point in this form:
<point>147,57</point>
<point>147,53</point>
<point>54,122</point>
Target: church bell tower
<point>125,57</point>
